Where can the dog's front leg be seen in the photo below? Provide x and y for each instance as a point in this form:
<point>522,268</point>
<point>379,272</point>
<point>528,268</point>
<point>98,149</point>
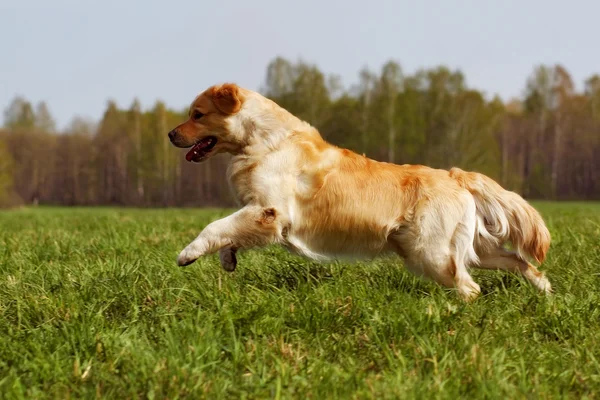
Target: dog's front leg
<point>228,258</point>
<point>249,227</point>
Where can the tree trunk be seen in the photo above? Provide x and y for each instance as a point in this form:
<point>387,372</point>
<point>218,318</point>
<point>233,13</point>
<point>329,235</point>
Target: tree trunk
<point>392,130</point>
<point>556,158</point>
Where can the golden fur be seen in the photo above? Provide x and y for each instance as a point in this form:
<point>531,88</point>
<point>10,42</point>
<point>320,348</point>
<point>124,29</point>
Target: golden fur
<point>325,202</point>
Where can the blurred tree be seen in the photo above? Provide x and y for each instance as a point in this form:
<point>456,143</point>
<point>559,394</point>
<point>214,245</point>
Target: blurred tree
<point>19,115</point>
<point>366,87</point>
<point>342,127</point>
<point>134,121</point>
<point>389,86</point>
<point>280,78</point>
<point>539,102</point>
<point>335,88</point>
<point>592,90</point>
<point>311,96</point>
<point>74,182</point>
<point>563,91</point>
<point>6,174</point>
<point>43,120</point>
<point>108,142</point>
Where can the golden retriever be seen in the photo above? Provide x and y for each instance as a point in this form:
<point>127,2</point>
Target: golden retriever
<point>326,202</point>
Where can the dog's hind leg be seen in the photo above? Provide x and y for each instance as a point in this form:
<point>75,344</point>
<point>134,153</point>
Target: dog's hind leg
<point>463,252</point>
<point>509,261</point>
<point>252,226</point>
<point>445,270</point>
<point>439,246</point>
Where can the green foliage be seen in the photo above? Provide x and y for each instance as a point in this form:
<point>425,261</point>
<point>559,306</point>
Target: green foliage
<point>19,115</point>
<point>93,305</point>
<point>6,174</point>
<point>43,118</point>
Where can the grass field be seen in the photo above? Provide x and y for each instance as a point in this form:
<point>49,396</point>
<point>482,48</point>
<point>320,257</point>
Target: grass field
<point>93,305</point>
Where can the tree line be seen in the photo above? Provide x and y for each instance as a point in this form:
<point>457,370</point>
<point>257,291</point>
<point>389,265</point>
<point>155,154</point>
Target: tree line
<point>545,145</point>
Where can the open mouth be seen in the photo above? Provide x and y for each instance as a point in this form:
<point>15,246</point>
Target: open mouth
<point>201,149</point>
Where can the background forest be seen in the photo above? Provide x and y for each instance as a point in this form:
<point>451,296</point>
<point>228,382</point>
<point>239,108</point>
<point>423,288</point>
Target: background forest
<point>545,145</point>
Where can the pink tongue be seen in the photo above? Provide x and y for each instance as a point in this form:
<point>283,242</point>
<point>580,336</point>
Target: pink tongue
<point>194,151</point>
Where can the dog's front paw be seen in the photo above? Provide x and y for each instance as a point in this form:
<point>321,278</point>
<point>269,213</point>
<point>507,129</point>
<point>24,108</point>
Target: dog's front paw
<point>228,259</point>
<point>188,256</point>
<point>184,261</point>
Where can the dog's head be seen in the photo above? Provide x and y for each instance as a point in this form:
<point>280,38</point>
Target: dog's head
<point>214,124</point>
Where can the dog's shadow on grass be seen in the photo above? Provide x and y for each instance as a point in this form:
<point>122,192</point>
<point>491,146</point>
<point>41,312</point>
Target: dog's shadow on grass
<point>292,273</point>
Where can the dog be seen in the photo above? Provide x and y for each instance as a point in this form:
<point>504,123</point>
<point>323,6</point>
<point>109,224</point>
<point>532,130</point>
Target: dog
<point>326,202</point>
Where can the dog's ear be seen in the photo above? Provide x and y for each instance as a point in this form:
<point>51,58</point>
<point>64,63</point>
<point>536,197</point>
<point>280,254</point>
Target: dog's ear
<point>227,98</point>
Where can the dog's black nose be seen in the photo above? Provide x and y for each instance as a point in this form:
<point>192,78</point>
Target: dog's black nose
<point>172,135</point>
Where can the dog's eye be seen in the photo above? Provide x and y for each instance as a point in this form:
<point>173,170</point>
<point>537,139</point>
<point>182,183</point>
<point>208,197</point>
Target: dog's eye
<point>197,115</point>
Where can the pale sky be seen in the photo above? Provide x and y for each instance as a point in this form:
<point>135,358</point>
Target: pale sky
<point>77,54</point>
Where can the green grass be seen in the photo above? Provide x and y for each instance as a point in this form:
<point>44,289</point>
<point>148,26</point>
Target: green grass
<point>93,305</point>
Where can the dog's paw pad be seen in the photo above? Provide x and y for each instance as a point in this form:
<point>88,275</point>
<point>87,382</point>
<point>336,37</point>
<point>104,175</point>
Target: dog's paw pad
<point>228,259</point>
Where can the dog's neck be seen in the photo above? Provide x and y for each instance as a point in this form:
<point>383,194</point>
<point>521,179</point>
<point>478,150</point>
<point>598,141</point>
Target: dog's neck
<point>265,132</point>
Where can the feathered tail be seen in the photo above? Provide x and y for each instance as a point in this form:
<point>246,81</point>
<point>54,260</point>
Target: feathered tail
<point>504,216</point>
